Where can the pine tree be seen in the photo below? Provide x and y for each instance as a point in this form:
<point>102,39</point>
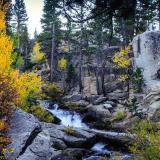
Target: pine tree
<point>20,19</point>
<point>25,45</point>
<point>9,15</point>
<point>51,27</point>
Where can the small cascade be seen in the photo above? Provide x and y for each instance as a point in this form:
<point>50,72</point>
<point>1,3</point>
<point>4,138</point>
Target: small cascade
<point>100,148</point>
<point>68,118</point>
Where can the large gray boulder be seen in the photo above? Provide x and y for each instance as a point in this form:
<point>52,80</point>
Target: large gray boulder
<point>146,48</point>
<point>98,111</point>
<point>24,127</point>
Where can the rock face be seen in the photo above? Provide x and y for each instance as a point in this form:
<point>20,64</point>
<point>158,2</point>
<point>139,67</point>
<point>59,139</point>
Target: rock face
<point>146,48</point>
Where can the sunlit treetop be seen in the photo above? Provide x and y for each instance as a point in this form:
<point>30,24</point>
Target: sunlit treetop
<point>62,64</point>
<point>37,55</point>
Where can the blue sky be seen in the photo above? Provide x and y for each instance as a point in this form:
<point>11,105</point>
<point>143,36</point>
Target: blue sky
<point>34,10</point>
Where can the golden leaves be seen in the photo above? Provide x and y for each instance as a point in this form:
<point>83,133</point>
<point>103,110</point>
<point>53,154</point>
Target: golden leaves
<point>121,58</point>
<point>37,55</point>
<point>15,88</point>
<point>62,64</point>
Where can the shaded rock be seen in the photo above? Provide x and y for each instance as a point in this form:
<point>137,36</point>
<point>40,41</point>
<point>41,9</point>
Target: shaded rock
<point>113,86</point>
<point>78,106</point>
<point>73,98</point>
<point>62,157</point>
<point>82,138</point>
<point>24,128</point>
<point>76,153</point>
<point>99,111</point>
<point>99,100</point>
<point>117,96</point>
<point>92,98</point>
<point>98,116</point>
<point>58,144</point>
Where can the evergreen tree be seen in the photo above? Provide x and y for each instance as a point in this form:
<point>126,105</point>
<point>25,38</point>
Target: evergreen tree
<point>8,15</point>
<point>25,45</point>
<point>20,20</point>
<point>51,27</point>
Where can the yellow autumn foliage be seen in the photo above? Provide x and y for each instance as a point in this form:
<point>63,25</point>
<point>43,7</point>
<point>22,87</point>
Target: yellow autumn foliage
<point>123,77</point>
<point>2,125</point>
<point>37,55</point>
<point>121,58</point>
<point>62,64</point>
<point>2,20</point>
<point>15,87</point>
<point>6,49</point>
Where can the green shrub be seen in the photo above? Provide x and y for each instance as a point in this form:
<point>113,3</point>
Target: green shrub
<point>70,74</point>
<point>137,80</point>
<point>53,91</point>
<point>119,116</point>
<point>70,131</point>
<point>42,114</point>
<point>133,105</point>
<point>18,61</point>
<point>147,144</point>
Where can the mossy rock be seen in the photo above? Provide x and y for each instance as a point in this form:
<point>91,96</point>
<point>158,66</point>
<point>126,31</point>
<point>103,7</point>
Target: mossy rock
<point>43,115</point>
<point>70,131</point>
<point>73,106</point>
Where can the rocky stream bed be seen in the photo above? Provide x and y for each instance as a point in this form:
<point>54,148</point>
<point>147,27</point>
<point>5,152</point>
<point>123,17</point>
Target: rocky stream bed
<point>71,139</point>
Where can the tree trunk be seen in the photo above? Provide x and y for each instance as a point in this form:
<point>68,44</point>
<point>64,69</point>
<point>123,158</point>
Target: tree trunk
<point>124,32</point>
<point>52,66</point>
<point>111,32</point>
<point>81,55</point>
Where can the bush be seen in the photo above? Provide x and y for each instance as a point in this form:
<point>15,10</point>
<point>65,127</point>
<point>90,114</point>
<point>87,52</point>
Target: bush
<point>133,105</point>
<point>42,114</point>
<point>53,91</point>
<point>119,116</point>
<point>137,80</point>
<point>18,61</point>
<point>147,143</point>
<point>70,74</point>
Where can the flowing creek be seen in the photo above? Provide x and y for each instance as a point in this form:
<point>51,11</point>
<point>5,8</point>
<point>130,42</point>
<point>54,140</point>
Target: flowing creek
<point>73,119</point>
